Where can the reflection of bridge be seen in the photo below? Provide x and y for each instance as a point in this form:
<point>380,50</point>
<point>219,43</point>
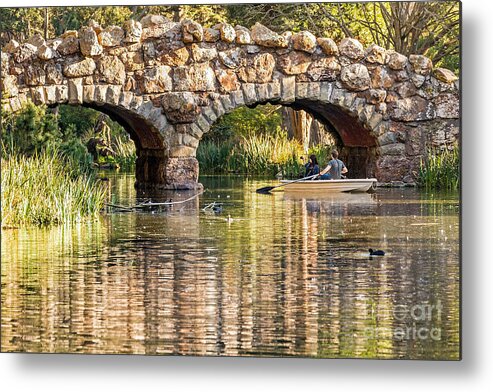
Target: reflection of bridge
<point>281,281</point>
<point>168,82</point>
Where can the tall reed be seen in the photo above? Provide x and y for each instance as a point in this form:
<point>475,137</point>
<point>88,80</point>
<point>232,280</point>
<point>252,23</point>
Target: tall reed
<point>44,190</point>
<point>440,169</point>
<point>125,152</point>
<point>255,154</point>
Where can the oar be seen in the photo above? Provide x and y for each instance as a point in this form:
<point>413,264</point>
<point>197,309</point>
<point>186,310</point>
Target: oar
<point>267,189</point>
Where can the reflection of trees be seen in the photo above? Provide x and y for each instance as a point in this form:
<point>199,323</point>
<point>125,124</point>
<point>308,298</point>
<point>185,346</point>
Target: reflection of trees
<point>287,278</point>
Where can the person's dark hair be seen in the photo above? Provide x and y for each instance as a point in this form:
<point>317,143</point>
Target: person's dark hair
<point>335,154</point>
<point>313,158</point>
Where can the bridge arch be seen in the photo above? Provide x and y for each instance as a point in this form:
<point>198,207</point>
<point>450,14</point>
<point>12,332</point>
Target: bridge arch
<point>167,83</point>
<point>345,115</point>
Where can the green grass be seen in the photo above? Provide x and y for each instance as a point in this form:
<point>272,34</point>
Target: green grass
<point>256,154</point>
<point>440,170</point>
<point>45,189</point>
<point>125,152</point>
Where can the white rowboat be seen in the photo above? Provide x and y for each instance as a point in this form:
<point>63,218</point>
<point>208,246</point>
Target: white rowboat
<point>330,186</point>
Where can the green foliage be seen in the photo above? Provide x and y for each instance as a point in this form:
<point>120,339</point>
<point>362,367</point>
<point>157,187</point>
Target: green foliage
<point>264,120</point>
<point>207,15</point>
<point>21,23</point>
<point>35,129</point>
<point>72,18</point>
<point>213,156</point>
<point>75,152</point>
<point>441,169</point>
<point>251,141</point>
<point>256,154</point>
<point>31,130</point>
<point>125,152</point>
<point>77,120</point>
<point>322,152</point>
<point>43,190</point>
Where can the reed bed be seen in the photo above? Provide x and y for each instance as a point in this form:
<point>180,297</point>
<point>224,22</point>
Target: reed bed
<point>44,190</point>
<point>441,169</point>
<point>256,154</point>
<point>125,152</point>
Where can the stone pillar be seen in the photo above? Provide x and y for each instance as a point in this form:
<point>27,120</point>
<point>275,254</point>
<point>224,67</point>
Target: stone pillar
<point>182,173</point>
<point>156,170</point>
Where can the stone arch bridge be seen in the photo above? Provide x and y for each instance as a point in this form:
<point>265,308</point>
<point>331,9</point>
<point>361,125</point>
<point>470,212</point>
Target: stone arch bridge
<point>168,82</point>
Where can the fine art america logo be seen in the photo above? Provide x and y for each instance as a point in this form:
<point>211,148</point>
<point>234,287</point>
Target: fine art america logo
<point>416,323</point>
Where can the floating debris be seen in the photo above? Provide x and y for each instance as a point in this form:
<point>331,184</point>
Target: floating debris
<point>149,203</point>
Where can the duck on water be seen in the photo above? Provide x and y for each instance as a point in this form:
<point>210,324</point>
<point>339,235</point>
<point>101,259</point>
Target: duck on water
<point>376,252</point>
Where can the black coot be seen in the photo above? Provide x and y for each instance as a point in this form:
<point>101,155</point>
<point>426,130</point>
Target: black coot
<point>376,252</point>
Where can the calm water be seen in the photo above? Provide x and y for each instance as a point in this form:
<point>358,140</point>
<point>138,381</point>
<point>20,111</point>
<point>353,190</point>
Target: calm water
<point>289,276</point>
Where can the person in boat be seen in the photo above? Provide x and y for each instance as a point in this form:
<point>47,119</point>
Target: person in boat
<point>335,168</point>
<point>312,167</point>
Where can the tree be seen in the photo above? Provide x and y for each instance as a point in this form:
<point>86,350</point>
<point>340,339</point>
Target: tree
<point>428,28</point>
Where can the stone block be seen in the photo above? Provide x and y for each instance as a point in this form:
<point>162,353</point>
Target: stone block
<point>249,93</point>
<point>447,106</point>
<point>125,99</point>
<point>203,123</point>
<point>209,114</point>
<point>50,94</point>
<point>395,149</point>
<point>288,89</point>
<point>75,91</point>
<point>189,140</point>
<point>375,119</point>
<point>356,77</point>
<point>227,103</point>
<point>325,91</point>
<point>262,92</point>
<point>274,91</point>
<point>113,94</point>
<point>100,91</point>
<point>15,103</point>
<point>218,108</point>
<point>196,77</point>
<point>61,94</point>
<point>411,109</point>
<point>136,102</point>
<point>387,138</point>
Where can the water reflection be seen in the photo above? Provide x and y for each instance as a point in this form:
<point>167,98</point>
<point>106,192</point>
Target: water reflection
<point>288,276</point>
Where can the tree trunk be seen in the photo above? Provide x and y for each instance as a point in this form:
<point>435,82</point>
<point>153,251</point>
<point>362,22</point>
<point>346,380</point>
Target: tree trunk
<point>177,13</point>
<point>46,26</point>
<point>315,133</point>
<point>298,125</point>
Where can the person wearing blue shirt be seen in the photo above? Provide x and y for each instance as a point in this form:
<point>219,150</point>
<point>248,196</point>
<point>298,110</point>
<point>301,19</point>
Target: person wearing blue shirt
<point>335,168</point>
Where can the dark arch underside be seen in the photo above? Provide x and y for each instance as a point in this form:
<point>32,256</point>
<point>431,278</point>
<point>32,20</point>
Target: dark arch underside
<point>350,130</point>
<point>144,135</point>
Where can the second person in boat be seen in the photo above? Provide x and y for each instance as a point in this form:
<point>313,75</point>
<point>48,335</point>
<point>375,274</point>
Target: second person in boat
<point>312,168</point>
<point>335,168</point>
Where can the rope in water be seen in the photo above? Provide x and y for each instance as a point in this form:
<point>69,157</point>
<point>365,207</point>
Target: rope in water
<point>152,204</point>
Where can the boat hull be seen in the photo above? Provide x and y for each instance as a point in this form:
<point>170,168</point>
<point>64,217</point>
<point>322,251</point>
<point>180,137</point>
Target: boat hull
<point>330,186</point>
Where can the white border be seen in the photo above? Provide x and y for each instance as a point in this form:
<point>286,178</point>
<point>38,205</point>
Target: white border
<point>22,372</point>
